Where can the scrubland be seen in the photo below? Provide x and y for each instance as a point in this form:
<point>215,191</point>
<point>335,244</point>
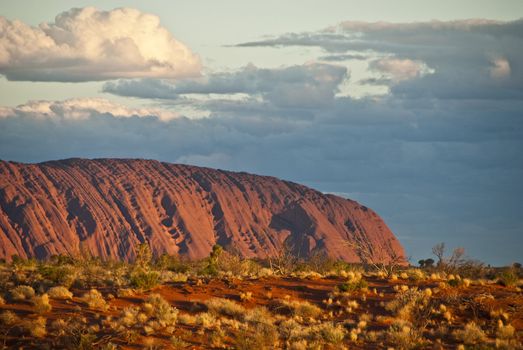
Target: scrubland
<point>227,302</point>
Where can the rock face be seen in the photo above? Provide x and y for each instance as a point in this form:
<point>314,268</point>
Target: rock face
<point>112,205</point>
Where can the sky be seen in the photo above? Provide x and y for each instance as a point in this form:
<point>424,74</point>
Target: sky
<point>413,108</point>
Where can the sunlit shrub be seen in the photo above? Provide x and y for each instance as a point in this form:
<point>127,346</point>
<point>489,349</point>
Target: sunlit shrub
<point>36,327</point>
<point>301,308</point>
<point>470,334</point>
<point>144,280</point>
<point>508,278</point>
<point>23,292</point>
<point>95,300</point>
<point>225,307</point>
<point>60,292</point>
<point>41,303</point>
<point>164,313</point>
<point>330,333</point>
<point>403,336</point>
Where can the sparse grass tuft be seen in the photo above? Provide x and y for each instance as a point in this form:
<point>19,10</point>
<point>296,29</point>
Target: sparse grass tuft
<point>225,307</point>
<point>412,306</point>
<point>161,310</point>
<point>403,336</point>
<point>470,334</point>
<point>301,308</point>
<point>178,343</point>
<point>330,333</point>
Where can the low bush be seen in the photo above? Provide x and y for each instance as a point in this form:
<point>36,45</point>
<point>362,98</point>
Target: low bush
<point>8,318</point>
<point>36,327</point>
<point>412,306</point>
<point>144,280</point>
<point>353,286</point>
<point>60,292</point>
<point>470,334</point>
<point>225,307</point>
<point>404,337</point>
<point>95,300</point>
<point>41,303</point>
<point>257,336</point>
<point>61,274</point>
<point>508,278</point>
<point>301,308</point>
<point>23,292</point>
<point>157,307</point>
<point>330,333</point>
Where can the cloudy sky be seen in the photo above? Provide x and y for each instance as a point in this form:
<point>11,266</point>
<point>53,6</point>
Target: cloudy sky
<point>414,108</point>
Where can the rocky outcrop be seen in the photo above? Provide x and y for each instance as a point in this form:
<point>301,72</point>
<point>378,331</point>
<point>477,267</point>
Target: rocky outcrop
<point>112,205</point>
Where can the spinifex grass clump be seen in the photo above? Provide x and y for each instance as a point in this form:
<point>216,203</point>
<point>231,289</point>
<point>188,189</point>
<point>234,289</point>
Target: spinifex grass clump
<point>95,300</point>
<point>60,292</point>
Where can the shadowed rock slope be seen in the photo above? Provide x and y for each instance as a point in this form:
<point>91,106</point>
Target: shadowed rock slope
<point>112,205</point>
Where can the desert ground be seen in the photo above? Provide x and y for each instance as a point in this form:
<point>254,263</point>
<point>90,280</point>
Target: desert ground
<point>224,301</point>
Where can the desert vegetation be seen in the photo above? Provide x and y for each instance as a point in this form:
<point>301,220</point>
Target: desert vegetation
<point>286,302</point>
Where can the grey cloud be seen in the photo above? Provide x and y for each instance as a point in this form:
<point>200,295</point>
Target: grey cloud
<point>344,57</point>
<point>471,59</point>
<point>444,166</point>
<point>440,158</point>
<point>303,86</point>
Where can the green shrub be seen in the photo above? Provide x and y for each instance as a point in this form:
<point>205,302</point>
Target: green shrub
<point>144,280</point>
<point>211,269</point>
<point>171,263</point>
<point>58,275</point>
<point>353,286</point>
<point>508,278</point>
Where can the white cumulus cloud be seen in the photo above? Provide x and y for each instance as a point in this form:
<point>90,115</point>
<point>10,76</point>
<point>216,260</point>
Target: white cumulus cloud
<point>500,68</point>
<point>401,69</point>
<point>82,108</point>
<point>87,44</point>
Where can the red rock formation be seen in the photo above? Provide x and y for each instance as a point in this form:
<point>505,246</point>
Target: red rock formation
<point>112,205</point>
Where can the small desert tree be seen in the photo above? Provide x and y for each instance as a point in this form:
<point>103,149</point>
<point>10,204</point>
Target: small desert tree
<point>284,261</point>
<point>439,251</point>
<point>456,262</point>
<point>368,258</point>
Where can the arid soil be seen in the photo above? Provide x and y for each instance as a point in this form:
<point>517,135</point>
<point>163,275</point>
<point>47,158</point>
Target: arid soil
<point>365,312</point>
